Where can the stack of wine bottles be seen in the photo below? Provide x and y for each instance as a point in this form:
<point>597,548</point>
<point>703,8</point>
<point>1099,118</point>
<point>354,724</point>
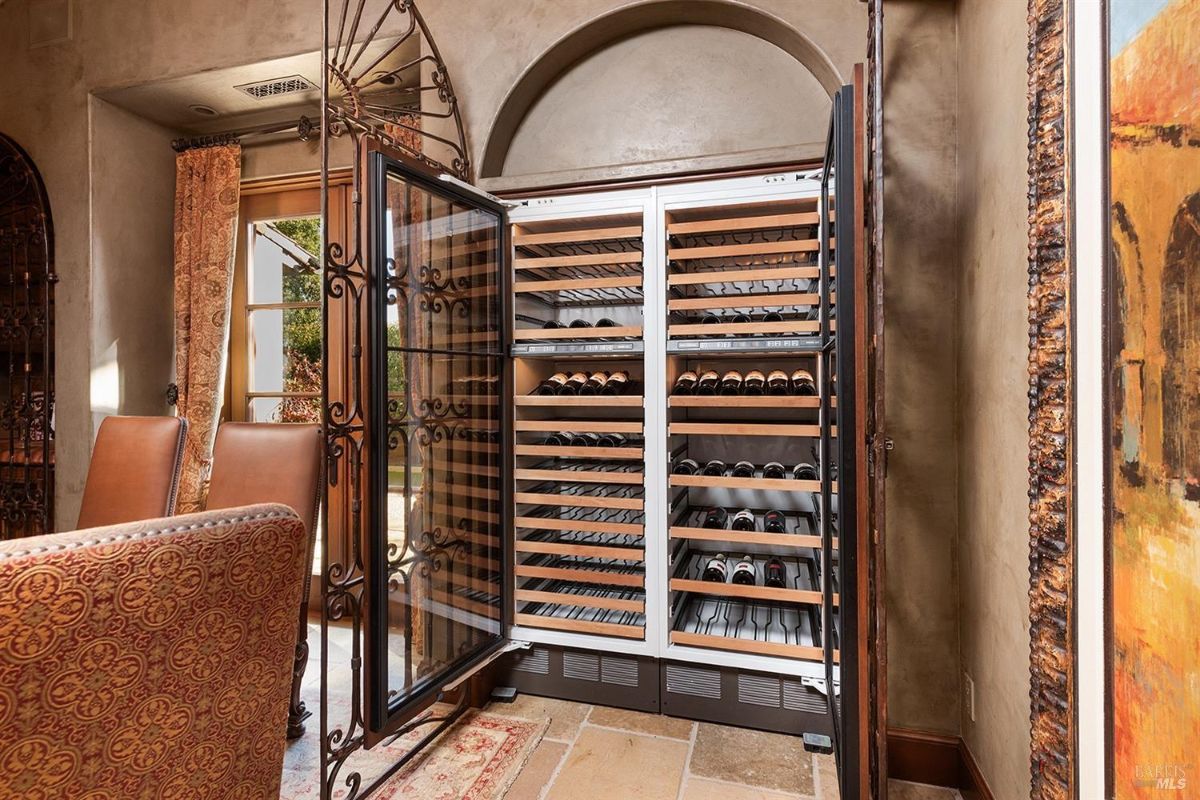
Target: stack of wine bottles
<point>769,316</point>
<point>579,323</point>
<point>774,470</point>
<point>585,384</point>
<point>568,439</point>
<point>752,383</point>
<point>745,572</point>
<point>718,518</point>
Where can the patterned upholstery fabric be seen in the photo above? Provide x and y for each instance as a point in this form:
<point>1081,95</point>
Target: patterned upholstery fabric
<point>150,660</point>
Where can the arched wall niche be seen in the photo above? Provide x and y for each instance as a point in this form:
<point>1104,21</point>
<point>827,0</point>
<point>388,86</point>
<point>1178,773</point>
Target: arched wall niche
<point>663,81</point>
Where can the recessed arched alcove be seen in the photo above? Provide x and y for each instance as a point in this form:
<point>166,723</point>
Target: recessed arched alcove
<point>670,81</point>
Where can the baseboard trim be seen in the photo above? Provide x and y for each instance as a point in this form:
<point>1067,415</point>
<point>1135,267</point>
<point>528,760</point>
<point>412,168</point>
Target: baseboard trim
<point>935,759</point>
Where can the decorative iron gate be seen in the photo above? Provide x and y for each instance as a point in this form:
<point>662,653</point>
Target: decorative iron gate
<point>26,347</point>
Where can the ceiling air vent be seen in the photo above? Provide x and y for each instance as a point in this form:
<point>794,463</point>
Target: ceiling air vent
<point>276,87</point>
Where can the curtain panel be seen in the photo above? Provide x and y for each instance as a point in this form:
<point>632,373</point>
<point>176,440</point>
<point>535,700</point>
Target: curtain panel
<point>207,183</point>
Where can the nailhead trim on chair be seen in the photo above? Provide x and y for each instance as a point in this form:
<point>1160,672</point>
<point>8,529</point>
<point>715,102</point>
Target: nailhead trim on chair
<point>144,534</point>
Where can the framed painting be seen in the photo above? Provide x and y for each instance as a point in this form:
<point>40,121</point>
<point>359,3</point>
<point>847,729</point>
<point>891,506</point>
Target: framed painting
<point>1153,408</point>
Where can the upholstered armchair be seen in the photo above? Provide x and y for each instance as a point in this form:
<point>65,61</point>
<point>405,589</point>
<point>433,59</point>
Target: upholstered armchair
<point>150,660</point>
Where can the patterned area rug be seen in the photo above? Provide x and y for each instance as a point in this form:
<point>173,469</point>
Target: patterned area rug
<point>477,759</point>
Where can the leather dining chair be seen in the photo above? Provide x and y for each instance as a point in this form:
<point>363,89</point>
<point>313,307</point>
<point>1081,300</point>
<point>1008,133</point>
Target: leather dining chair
<point>265,462</point>
<point>134,471</point>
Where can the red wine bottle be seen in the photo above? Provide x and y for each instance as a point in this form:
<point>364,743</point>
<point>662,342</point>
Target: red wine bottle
<point>708,382</point>
<point>552,384</point>
<point>805,472</point>
<point>755,383</point>
<point>743,469</point>
<point>745,573</point>
<point>716,570</point>
<point>803,383</point>
<point>717,518</point>
<point>715,469</point>
<point>731,384</point>
<point>685,384</point>
<point>744,520</point>
<point>777,383</point>
<point>774,522</point>
<point>617,383</point>
<point>594,383</point>
<point>774,471</point>
<point>574,383</point>
<point>775,574</point>
<point>686,466</point>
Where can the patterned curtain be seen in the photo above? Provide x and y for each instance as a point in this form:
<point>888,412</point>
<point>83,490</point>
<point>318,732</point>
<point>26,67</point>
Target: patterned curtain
<point>207,181</point>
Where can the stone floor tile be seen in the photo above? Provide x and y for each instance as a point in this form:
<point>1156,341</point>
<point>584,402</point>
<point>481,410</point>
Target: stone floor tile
<point>565,717</point>
<point>615,764</point>
<point>701,789</point>
<point>638,722</point>
<point>538,770</point>
<point>903,790</point>
<point>753,758</point>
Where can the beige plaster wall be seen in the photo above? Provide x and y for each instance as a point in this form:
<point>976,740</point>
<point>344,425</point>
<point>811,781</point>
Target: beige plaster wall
<point>921,297</point>
<point>993,408</point>
<point>671,93</point>
<point>132,187</point>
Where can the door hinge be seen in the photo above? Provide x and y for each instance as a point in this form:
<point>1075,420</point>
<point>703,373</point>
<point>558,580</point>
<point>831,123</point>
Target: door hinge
<point>878,447</point>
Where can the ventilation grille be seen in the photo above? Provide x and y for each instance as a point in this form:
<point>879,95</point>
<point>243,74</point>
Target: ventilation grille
<point>758,691</point>
<point>276,87</point>
<point>619,671</point>
<point>581,667</point>
<point>797,697</point>
<point>694,682</point>
<point>536,661</point>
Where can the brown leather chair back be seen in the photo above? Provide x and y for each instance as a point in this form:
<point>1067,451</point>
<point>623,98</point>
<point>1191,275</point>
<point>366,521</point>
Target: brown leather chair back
<point>134,472</point>
<point>266,462</point>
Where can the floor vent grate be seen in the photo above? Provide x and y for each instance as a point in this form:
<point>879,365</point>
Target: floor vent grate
<point>619,671</point>
<point>759,691</point>
<point>581,667</point>
<point>536,661</point>
<point>694,682</point>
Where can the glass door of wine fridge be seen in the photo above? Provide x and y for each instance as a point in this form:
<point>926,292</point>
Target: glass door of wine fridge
<point>843,448</point>
<point>435,564</point>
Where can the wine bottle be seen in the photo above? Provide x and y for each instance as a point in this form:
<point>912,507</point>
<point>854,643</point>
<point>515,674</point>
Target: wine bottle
<point>774,471</point>
<point>612,440</point>
<point>774,522</point>
<point>731,383</point>
<point>574,383</point>
<point>685,466</point>
<point>580,323</point>
<point>605,322</point>
<point>743,469</point>
<point>754,384</point>
<point>744,520</point>
<point>617,383</point>
<point>772,316</point>
<point>745,573</point>
<point>715,469</point>
<point>559,439</point>
<point>552,384</point>
<point>775,574</point>
<point>741,318</point>
<point>777,382</point>
<point>708,382</point>
<point>710,319</point>
<point>717,518</point>
<point>685,383</point>
<point>805,472</point>
<point>594,383</point>
<point>552,324</point>
<point>585,440</point>
<point>803,383</point>
<point>716,570</point>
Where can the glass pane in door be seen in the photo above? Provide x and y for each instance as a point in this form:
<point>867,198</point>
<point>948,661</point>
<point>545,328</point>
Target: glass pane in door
<point>436,555</point>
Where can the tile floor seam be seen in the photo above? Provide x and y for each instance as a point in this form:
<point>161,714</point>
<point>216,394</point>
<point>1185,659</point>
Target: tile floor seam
<point>635,733</point>
<point>818,784</point>
<point>566,756</point>
<point>687,762</point>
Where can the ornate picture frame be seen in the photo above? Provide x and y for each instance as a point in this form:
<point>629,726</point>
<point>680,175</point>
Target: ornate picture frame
<point>1052,668</point>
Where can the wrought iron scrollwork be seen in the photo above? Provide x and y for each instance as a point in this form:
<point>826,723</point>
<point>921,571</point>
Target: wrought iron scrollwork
<point>27,281</point>
<point>384,82</point>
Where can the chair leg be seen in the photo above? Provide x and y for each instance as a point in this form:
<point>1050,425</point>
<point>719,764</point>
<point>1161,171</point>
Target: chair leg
<point>297,712</point>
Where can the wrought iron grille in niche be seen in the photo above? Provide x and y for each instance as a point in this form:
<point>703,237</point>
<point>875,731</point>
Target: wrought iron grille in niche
<point>384,84</point>
<point>26,347</point>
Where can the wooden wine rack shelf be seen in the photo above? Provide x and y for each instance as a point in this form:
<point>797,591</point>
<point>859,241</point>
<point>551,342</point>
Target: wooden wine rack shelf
<point>620,331</point>
<point>753,646</point>
<point>740,401</point>
<point>574,401</point>
<point>747,537</point>
<point>754,484</point>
